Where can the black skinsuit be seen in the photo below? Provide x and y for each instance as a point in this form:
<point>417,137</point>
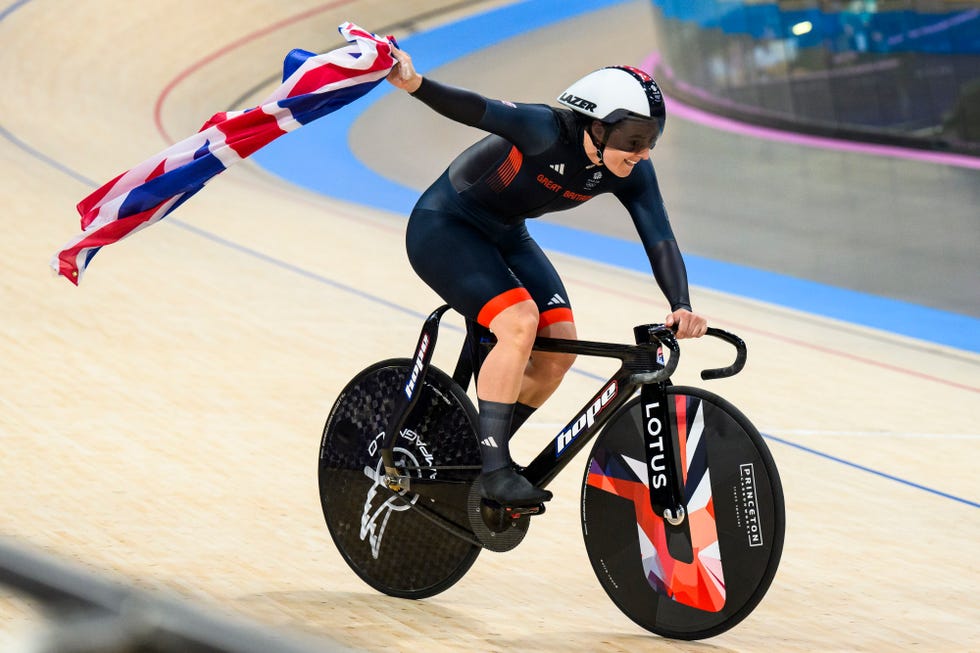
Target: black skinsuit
<point>466,236</point>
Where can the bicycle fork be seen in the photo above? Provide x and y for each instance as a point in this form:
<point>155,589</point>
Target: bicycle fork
<point>662,452</point>
<point>665,470</point>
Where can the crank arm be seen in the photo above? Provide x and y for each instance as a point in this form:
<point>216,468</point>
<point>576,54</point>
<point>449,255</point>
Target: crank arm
<point>447,525</point>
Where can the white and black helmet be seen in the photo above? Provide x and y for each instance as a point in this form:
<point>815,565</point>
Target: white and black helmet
<point>614,93</point>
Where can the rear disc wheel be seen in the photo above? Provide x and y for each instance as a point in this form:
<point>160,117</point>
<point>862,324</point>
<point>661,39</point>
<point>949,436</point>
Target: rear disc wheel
<point>388,543</point>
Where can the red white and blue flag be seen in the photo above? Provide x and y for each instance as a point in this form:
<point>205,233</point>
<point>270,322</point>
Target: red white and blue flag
<point>313,86</point>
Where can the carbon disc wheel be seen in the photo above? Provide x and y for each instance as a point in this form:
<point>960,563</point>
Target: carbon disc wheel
<point>391,546</point>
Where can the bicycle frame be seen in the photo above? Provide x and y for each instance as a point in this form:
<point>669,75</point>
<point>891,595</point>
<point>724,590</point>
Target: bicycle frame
<point>641,368</point>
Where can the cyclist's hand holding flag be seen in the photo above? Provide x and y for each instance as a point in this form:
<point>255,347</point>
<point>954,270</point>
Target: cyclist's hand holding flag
<point>313,86</point>
<point>403,75</point>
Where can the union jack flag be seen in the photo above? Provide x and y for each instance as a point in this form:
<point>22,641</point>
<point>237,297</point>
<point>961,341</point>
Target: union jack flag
<point>313,86</point>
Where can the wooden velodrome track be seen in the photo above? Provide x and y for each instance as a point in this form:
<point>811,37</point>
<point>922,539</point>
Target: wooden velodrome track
<point>160,422</point>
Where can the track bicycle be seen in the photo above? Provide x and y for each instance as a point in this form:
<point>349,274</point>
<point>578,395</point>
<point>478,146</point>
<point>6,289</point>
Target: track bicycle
<point>682,508</point>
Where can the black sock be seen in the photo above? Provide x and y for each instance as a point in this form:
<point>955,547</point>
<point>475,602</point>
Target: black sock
<point>521,413</point>
<point>495,420</point>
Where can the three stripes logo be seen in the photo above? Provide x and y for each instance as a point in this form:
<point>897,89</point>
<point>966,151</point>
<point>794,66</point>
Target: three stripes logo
<point>489,442</point>
<point>558,167</point>
<point>557,300</point>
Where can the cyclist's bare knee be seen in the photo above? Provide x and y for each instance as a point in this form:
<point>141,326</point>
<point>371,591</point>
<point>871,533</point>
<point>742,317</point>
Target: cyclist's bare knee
<point>516,325</point>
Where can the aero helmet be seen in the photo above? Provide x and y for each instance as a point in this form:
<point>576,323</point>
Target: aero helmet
<point>615,93</point>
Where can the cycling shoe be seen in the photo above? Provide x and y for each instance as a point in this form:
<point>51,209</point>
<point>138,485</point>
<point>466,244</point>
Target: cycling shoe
<point>508,488</point>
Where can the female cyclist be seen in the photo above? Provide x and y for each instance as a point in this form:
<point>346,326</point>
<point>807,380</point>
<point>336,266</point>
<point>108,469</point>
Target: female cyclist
<point>467,240</point>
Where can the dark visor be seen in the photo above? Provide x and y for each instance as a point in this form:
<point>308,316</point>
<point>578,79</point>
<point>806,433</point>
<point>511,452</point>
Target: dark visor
<point>633,135</point>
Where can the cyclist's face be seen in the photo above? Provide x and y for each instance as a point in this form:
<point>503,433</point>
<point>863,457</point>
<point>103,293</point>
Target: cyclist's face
<point>627,144</point>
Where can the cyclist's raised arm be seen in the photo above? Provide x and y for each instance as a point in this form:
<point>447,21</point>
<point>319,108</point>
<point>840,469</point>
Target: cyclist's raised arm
<point>459,104</point>
<point>532,127</point>
<point>645,204</point>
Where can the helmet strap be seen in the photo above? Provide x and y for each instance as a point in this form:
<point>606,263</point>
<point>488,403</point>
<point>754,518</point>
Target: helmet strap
<point>599,145</point>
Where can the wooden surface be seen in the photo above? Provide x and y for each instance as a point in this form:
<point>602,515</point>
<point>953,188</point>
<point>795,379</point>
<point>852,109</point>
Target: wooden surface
<point>160,423</point>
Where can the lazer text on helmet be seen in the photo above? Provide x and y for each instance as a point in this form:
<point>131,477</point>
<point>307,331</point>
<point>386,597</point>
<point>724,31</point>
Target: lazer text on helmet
<point>576,101</point>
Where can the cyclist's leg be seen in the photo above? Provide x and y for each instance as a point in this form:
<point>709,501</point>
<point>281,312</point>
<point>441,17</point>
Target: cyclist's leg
<point>498,387</point>
<point>515,327</point>
<point>544,371</point>
<point>463,264</point>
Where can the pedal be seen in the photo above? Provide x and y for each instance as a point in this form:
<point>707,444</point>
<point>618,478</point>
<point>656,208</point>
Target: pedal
<point>516,512</point>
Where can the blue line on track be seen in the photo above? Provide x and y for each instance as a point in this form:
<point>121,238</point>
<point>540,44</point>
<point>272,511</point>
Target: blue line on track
<point>12,8</point>
<point>890,477</point>
<point>279,263</point>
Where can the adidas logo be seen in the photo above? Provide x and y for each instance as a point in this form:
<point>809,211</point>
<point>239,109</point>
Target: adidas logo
<point>558,167</point>
<point>489,442</point>
<point>556,300</point>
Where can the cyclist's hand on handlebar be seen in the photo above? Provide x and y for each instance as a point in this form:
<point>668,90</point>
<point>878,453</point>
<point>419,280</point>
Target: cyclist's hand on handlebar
<point>687,324</point>
<point>403,75</point>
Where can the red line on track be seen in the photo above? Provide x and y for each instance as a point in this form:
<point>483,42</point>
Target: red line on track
<point>158,105</point>
<point>807,345</point>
